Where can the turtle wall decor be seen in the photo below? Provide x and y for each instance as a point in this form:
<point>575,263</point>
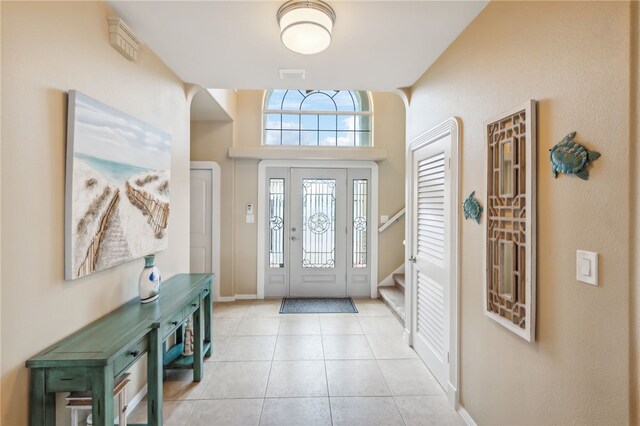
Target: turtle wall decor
<point>569,157</point>
<point>472,209</point>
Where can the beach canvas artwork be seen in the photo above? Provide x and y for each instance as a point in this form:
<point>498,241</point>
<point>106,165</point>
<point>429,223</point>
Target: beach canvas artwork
<point>117,187</point>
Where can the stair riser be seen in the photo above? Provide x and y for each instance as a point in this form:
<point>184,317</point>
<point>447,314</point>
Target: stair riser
<point>399,280</point>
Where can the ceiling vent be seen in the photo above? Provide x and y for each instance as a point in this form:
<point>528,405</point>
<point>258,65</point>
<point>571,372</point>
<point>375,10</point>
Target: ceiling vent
<point>291,74</point>
<point>123,39</point>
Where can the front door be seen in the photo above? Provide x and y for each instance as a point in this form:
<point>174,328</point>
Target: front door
<point>318,233</point>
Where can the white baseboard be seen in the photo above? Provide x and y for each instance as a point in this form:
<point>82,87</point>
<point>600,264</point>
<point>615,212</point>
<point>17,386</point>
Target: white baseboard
<point>136,400</point>
<point>388,281</point>
<point>246,296</point>
<point>236,297</point>
<point>466,416</point>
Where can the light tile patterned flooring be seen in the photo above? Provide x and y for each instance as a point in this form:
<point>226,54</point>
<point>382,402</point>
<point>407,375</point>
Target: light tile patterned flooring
<point>325,369</point>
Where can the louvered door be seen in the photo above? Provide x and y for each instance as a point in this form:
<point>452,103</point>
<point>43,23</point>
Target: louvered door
<point>430,248</point>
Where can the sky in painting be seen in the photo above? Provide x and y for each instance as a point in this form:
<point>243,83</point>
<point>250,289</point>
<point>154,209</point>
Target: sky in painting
<point>109,134</point>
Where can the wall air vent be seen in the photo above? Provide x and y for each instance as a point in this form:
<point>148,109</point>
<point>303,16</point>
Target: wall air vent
<point>291,74</point>
<point>123,39</point>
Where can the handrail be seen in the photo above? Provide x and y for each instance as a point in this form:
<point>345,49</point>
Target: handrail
<point>393,220</point>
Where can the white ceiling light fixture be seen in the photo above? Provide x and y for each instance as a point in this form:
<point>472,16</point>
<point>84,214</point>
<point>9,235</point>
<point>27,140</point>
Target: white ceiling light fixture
<point>306,25</point>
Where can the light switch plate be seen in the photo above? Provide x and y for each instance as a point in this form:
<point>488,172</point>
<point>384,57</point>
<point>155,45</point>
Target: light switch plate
<point>587,267</point>
<point>384,218</point>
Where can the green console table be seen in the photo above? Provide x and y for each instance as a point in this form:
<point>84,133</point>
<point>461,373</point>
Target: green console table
<point>93,357</point>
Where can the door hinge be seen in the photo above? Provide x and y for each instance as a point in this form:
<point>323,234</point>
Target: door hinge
<point>448,361</point>
<point>449,163</point>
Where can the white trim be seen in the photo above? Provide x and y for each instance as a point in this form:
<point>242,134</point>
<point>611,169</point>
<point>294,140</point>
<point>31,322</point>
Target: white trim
<point>215,218</point>
<point>466,416</point>
<point>388,280</point>
<point>246,296</point>
<point>407,338</point>
<point>452,395</point>
<point>529,333</point>
<point>262,168</point>
<point>393,220</point>
<point>226,299</point>
<point>450,127</point>
<point>131,405</point>
<point>296,153</point>
<point>306,112</point>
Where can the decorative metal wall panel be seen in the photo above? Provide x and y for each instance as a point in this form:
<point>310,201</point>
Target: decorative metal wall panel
<point>276,223</point>
<point>359,222</point>
<point>509,281</point>
<point>318,223</point>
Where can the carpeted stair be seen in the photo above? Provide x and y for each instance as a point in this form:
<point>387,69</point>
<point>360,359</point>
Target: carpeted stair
<point>393,296</point>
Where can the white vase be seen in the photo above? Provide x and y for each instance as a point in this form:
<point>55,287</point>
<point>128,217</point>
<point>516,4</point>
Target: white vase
<point>149,282</point>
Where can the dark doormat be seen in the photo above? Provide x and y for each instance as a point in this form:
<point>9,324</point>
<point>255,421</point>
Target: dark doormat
<point>325,305</point>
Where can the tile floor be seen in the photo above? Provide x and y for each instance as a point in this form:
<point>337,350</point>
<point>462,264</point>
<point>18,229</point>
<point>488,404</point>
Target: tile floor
<point>326,369</point>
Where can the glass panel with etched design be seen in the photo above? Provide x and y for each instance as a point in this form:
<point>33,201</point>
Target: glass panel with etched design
<point>276,223</point>
<point>359,223</point>
<point>318,223</point>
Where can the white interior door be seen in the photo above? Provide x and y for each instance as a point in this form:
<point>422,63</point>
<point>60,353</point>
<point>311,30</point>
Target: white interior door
<point>201,237</point>
<point>317,233</point>
<point>430,247</point>
<point>205,219</point>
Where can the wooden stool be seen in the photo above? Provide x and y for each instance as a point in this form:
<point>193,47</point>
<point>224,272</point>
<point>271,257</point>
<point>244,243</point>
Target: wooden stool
<point>82,401</point>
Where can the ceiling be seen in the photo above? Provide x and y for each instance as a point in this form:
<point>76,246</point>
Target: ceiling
<point>377,45</point>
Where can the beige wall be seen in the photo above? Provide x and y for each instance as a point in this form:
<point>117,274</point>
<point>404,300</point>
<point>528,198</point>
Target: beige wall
<point>574,59</point>
<point>210,141</point>
<point>389,134</point>
<point>209,144</point>
<point>48,49</point>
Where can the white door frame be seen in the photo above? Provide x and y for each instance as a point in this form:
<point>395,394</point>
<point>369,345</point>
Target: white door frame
<point>451,127</point>
<point>319,164</point>
<point>215,218</point>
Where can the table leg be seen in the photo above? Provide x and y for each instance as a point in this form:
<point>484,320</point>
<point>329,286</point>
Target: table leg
<point>122,407</point>
<point>154,379</point>
<point>197,345</point>
<point>74,417</point>
<point>102,396</point>
<point>42,405</point>
<point>207,321</point>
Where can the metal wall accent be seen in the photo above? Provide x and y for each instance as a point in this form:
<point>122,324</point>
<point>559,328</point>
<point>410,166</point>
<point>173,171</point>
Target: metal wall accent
<point>360,214</point>
<point>318,223</point>
<point>276,223</point>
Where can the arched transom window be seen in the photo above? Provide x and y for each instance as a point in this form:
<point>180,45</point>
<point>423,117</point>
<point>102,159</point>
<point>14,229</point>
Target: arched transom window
<point>317,118</point>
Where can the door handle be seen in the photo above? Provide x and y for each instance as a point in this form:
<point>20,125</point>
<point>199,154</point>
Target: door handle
<point>293,238</point>
<point>412,259</point>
